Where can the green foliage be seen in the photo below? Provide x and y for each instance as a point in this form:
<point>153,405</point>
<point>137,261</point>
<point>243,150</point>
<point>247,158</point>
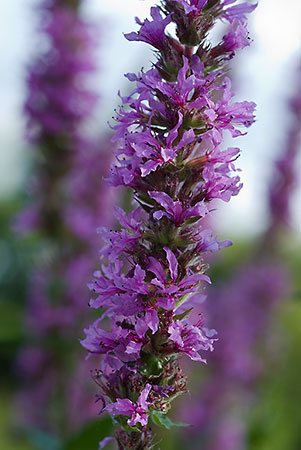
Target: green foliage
<point>89,437</point>
<point>183,315</point>
<point>163,421</point>
<point>276,423</point>
<point>11,321</point>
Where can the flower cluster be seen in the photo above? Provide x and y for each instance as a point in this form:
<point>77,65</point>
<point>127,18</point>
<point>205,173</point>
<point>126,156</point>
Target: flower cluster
<point>169,135</point>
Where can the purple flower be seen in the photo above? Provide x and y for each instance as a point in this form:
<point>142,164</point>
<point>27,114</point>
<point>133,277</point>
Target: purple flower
<point>170,291</point>
<point>124,240</point>
<point>236,38</point>
<point>192,6</point>
<point>175,210</point>
<point>191,339</point>
<point>206,242</point>
<point>237,12</point>
<point>111,285</point>
<point>218,184</point>
<point>151,32</point>
<point>122,342</point>
<point>138,411</point>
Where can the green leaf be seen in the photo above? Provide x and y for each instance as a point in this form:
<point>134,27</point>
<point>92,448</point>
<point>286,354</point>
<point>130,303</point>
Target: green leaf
<point>163,421</point>
<point>183,315</point>
<point>89,437</point>
<point>11,320</point>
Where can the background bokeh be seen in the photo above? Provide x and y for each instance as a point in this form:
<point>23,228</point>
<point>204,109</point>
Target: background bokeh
<point>267,73</point>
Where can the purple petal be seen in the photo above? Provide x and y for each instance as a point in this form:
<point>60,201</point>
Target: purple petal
<point>195,300</point>
<point>174,132</point>
<point>159,214</point>
<point>143,396</point>
<point>156,268</point>
<point>187,138</point>
<point>133,347</point>
<point>173,263</point>
<point>141,327</point>
<point>168,154</point>
<point>123,406</point>
<point>166,303</point>
<point>152,319</point>
<point>149,166</point>
<point>175,334</point>
<point>163,199</point>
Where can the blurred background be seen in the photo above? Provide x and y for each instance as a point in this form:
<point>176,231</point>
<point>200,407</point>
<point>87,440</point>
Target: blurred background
<point>62,68</point>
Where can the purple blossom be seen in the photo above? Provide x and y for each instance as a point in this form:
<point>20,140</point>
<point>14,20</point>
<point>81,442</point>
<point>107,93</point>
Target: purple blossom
<point>237,12</point>
<point>138,411</point>
<point>170,292</point>
<point>151,32</point>
<point>236,38</point>
<point>191,339</point>
<point>111,283</point>
<point>124,240</point>
<point>218,184</point>
<point>206,242</point>
<point>175,210</point>
<point>192,6</point>
<point>119,342</point>
<point>147,147</point>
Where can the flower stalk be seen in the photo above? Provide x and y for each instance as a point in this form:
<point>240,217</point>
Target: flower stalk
<point>168,132</point>
<point>67,202</point>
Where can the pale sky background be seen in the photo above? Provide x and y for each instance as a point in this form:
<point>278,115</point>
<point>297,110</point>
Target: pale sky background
<point>264,73</point>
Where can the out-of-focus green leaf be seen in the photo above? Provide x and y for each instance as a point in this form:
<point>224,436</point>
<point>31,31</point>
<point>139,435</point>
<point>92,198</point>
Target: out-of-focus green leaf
<point>183,315</point>
<point>11,315</point>
<point>163,421</point>
<point>89,437</point>
<point>9,439</point>
<point>276,424</point>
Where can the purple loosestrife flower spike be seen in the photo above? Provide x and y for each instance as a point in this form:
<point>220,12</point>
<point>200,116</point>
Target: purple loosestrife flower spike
<point>67,202</point>
<point>285,176</point>
<point>169,135</point>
